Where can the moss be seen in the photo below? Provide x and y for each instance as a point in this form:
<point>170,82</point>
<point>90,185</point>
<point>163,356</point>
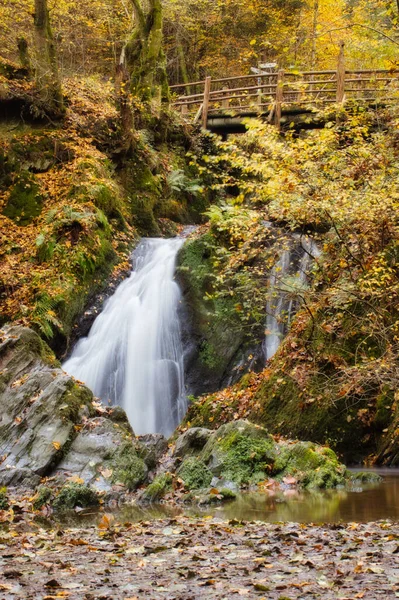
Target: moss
<point>210,356</point>
<point>195,474</point>
<point>161,485</point>
<point>227,494</point>
<point>4,503</point>
<point>384,402</point>
<point>42,497</point>
<point>129,469</point>
<point>313,412</point>
<point>72,495</point>
<point>25,202</point>
<point>194,265</point>
<point>365,477</point>
<point>73,400</point>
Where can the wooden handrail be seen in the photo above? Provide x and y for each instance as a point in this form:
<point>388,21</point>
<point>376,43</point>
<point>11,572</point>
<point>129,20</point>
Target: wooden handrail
<point>285,88</point>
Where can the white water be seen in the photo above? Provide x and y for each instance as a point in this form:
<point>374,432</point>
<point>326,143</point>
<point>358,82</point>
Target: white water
<point>287,282</point>
<point>133,354</point>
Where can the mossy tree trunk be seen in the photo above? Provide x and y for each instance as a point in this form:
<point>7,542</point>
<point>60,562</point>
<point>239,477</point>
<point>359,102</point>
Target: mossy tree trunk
<point>47,76</point>
<point>145,59</point>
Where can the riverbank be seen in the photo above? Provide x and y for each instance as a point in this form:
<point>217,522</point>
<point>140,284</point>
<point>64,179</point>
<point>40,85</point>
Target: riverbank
<point>205,558</point>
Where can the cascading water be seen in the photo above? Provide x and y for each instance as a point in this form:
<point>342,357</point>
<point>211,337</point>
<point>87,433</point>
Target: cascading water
<point>133,354</point>
<point>287,282</point>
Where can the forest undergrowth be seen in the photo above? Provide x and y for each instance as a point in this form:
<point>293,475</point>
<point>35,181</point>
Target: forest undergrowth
<point>335,377</point>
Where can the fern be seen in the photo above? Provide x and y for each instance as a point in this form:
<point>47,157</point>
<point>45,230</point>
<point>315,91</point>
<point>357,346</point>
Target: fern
<point>44,315</point>
<point>179,182</point>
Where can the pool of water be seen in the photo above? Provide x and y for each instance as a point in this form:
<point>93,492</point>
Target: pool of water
<point>362,504</point>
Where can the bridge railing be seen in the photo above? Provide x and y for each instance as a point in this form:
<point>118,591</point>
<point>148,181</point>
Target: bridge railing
<point>276,92</point>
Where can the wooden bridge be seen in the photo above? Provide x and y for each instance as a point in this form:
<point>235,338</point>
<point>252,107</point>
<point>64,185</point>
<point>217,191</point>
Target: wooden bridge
<point>280,97</point>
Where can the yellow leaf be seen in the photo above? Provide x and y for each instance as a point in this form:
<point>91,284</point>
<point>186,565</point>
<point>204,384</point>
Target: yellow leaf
<point>57,445</point>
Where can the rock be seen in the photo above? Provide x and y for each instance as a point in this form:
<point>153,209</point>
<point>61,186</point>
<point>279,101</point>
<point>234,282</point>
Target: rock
<point>90,456</point>
<point>40,407</point>
<point>365,477</point>
<point>161,485</point>
<point>152,447</point>
<point>241,453</point>
<point>48,425</point>
<point>191,442</point>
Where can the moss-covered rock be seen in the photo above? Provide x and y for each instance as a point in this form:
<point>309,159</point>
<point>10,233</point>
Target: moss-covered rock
<point>195,474</point>
<point>161,485</point>
<point>25,202</point>
<point>241,452</point>
<point>364,477</point>
<point>44,495</point>
<point>313,466</point>
<point>129,468</point>
<point>74,495</point>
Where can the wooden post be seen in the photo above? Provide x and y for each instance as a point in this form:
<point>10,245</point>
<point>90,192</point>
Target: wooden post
<point>205,109</point>
<point>225,103</point>
<point>184,109</point>
<point>341,74</point>
<point>259,100</point>
<point>279,98</point>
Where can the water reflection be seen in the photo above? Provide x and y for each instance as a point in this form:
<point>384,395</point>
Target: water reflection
<point>362,504</point>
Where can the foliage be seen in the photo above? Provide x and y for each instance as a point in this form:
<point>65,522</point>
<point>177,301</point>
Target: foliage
<point>335,376</point>
<point>4,502</point>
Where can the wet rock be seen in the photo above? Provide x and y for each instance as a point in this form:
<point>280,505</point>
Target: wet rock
<point>240,454</point>
<point>40,407</point>
<point>191,442</point>
<point>152,447</point>
<point>309,464</point>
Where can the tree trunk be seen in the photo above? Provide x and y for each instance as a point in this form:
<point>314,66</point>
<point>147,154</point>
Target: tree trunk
<point>314,33</point>
<point>24,58</point>
<point>145,60</point>
<point>122,89</point>
<point>182,61</point>
<point>47,76</point>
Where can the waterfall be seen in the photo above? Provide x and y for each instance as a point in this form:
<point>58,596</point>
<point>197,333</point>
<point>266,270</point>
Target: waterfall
<point>287,281</point>
<point>133,354</point>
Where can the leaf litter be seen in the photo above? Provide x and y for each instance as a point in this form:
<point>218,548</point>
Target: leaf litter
<point>186,558</point>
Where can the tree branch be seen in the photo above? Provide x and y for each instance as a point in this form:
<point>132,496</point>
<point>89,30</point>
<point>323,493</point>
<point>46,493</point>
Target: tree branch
<point>139,14</point>
<point>363,27</point>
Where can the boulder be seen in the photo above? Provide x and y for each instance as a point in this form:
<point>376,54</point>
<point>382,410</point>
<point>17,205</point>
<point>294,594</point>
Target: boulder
<point>191,442</point>
<point>50,426</point>
<point>240,452</point>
